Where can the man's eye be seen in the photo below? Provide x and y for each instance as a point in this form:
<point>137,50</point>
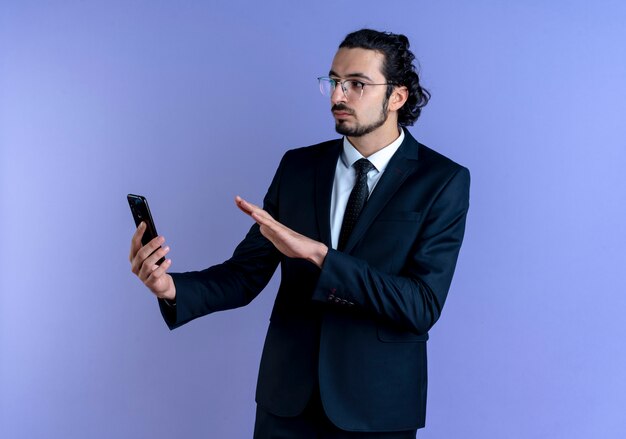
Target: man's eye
<point>356,85</point>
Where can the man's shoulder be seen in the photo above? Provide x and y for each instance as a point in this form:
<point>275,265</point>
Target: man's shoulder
<point>327,146</point>
<point>429,157</point>
<point>306,156</point>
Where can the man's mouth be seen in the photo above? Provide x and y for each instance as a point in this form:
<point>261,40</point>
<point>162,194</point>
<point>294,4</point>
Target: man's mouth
<point>341,111</point>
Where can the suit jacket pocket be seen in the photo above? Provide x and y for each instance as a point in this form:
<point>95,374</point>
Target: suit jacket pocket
<point>390,334</point>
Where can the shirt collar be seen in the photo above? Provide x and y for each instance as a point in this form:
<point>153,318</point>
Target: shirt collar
<point>379,159</point>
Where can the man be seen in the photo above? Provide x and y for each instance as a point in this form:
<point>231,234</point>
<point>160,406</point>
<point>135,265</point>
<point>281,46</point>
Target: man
<point>367,250</point>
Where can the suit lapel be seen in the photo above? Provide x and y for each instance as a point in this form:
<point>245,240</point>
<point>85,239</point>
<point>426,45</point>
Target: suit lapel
<point>399,168</point>
<point>324,178</point>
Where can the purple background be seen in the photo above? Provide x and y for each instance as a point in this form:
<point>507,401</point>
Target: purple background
<point>191,103</point>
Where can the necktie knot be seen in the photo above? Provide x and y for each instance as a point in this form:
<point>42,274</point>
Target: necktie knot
<point>362,166</point>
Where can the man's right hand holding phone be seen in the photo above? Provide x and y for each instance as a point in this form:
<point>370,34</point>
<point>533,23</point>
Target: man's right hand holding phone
<point>143,261</point>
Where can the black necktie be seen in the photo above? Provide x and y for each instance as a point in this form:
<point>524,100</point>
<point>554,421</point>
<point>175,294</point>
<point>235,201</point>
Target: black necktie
<point>357,200</point>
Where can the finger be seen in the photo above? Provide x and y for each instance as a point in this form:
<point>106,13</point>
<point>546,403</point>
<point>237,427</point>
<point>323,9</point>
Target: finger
<point>158,272</point>
<point>150,247</point>
<point>264,219</point>
<point>135,242</point>
<point>242,205</point>
<point>246,206</point>
<point>150,263</point>
<point>144,252</point>
<point>268,233</point>
<point>261,216</point>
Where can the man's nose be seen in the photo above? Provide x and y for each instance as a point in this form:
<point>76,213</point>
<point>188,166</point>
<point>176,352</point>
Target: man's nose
<point>338,95</point>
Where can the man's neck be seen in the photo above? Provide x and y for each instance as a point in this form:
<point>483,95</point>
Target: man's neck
<point>376,140</point>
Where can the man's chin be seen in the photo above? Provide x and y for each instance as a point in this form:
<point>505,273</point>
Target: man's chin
<point>343,129</point>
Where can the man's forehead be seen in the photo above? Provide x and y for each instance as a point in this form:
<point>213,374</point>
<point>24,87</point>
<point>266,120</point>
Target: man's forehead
<point>358,62</point>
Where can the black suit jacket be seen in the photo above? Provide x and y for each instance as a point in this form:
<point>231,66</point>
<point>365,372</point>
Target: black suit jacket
<point>357,327</point>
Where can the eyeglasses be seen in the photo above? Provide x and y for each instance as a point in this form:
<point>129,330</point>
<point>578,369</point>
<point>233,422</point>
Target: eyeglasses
<point>350,87</point>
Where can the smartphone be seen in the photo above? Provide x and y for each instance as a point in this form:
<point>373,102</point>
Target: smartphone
<point>141,213</point>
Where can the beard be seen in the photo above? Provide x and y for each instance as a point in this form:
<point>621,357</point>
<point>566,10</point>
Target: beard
<point>359,130</point>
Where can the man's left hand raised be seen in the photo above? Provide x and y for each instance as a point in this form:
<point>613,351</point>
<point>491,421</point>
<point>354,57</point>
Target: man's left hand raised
<point>288,242</point>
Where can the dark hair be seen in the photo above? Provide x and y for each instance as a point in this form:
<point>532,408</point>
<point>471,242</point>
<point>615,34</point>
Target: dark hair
<point>397,67</point>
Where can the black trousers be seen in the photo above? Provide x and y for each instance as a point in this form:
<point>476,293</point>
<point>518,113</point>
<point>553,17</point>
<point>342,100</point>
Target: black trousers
<point>312,424</point>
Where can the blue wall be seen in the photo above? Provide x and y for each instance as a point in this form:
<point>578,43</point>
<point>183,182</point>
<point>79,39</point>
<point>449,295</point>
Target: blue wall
<point>192,103</point>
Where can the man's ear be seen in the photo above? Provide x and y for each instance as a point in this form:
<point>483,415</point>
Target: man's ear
<point>398,98</point>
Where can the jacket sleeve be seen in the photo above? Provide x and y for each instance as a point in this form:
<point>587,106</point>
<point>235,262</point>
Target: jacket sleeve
<point>232,284</point>
<point>414,298</point>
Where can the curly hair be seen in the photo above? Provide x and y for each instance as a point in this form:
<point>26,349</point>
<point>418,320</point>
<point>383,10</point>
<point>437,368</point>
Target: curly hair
<point>397,68</point>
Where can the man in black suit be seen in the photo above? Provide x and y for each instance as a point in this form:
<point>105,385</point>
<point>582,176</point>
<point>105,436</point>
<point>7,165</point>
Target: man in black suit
<point>367,250</point>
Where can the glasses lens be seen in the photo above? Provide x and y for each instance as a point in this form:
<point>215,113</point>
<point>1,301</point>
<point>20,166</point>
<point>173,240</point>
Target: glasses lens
<point>327,86</point>
<point>354,89</point>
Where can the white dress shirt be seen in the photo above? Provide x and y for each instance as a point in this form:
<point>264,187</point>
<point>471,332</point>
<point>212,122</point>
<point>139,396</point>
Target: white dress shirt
<point>345,177</point>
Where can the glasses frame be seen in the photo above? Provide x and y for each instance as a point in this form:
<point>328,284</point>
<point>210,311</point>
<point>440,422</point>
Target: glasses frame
<point>333,82</point>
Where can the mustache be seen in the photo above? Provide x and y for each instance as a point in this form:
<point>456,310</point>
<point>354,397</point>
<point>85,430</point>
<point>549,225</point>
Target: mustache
<point>342,107</point>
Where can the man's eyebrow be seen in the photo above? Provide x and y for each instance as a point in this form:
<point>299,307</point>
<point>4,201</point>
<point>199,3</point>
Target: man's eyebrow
<point>351,75</point>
